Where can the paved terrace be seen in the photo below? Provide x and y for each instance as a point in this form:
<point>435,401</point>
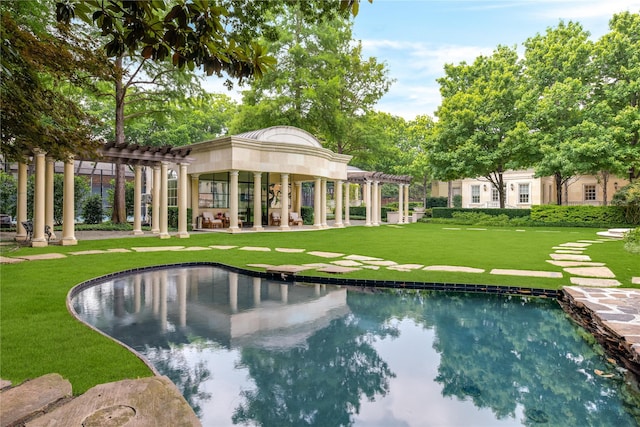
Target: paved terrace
<point>611,313</point>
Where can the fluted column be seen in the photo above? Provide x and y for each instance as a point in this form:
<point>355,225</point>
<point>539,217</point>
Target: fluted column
<point>400,204</point>
<point>38,239</point>
<point>195,199</point>
<point>367,201</point>
<point>375,206</point>
<point>323,203</point>
<point>317,200</point>
<point>49,195</point>
<point>284,206</point>
<point>257,201</point>
<point>164,200</point>
<point>21,208</point>
<point>338,194</point>
<point>406,203</point>
<point>182,202</point>
<point>233,202</point>
<point>137,200</point>
<point>155,201</point>
<point>68,208</point>
<point>347,205</point>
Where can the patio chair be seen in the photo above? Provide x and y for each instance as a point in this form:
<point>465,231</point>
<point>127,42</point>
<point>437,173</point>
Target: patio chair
<point>294,219</point>
<point>209,221</point>
<point>275,218</point>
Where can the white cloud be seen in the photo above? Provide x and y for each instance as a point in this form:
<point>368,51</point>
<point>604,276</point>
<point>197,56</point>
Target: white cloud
<point>586,9</point>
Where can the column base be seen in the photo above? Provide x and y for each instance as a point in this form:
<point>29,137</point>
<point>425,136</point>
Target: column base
<point>137,232</point>
<point>183,235</point>
<point>69,241</point>
<point>164,236</point>
<point>20,237</point>
<point>39,243</point>
<point>258,228</point>
<point>317,226</point>
<point>340,225</point>
<point>284,228</point>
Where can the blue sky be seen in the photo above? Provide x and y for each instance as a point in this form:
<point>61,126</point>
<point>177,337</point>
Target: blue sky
<point>415,38</point>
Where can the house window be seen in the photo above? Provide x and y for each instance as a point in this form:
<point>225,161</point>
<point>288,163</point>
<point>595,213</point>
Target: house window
<point>590,192</point>
<point>523,193</point>
<point>214,191</point>
<point>495,194</point>
<point>172,188</point>
<point>475,194</point>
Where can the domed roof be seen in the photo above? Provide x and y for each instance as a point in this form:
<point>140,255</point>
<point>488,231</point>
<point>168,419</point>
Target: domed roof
<point>283,134</point>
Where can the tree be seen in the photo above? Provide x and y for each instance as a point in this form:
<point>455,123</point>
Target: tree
<point>617,61</point>
<point>321,84</point>
<point>558,75</point>
<point>35,59</point>
<point>478,133</point>
<point>219,38</point>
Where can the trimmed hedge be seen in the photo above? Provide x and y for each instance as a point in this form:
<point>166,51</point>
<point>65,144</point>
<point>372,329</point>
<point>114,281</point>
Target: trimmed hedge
<point>361,212</point>
<point>510,213</point>
<point>437,202</point>
<point>597,216</point>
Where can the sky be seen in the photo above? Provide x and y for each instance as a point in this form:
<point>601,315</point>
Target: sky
<point>415,38</point>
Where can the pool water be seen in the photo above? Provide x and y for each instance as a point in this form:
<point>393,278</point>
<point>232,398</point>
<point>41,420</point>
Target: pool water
<point>248,351</point>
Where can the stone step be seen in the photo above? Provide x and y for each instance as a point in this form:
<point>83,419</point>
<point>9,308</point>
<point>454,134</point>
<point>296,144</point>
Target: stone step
<point>32,397</point>
<point>615,233</point>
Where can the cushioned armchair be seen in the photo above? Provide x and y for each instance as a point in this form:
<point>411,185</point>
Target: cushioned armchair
<point>209,221</point>
<point>275,218</point>
<point>294,219</point>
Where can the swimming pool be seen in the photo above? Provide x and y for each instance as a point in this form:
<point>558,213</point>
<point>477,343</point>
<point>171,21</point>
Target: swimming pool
<point>249,351</point>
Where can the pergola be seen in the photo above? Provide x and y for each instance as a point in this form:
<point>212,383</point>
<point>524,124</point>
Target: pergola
<point>135,155</point>
<point>373,195</point>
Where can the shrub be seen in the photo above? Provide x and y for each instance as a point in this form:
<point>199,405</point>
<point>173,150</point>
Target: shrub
<point>593,216</point>
<point>511,213</point>
<point>306,212</point>
<point>92,209</point>
<point>632,241</point>
<point>628,198</point>
<point>457,201</point>
<point>437,202</point>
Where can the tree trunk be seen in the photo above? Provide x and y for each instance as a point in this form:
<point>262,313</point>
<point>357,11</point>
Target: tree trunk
<point>118,213</point>
<point>450,194</point>
<point>557,177</point>
<point>605,182</point>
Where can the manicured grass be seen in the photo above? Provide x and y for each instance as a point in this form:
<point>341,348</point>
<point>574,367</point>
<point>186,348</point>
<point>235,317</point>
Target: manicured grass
<point>39,336</point>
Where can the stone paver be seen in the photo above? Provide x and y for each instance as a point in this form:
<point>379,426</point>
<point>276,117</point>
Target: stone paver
<point>290,269</point>
<point>405,267</point>
<point>8,260</point>
<point>454,268</point>
<point>362,258</point>
<point>570,257</point>
<point>560,251</point>
<point>222,247</point>
<point>576,263</point>
<point>145,402</point>
<point>381,263</point>
<point>325,254</point>
<point>32,396</point>
<point>527,273</point>
<point>567,248</point>
<point>157,248</point>
<point>347,263</point>
<point>290,250</point>
<point>196,248</point>
<point>336,269</point>
<point>575,245</point>
<point>587,281</point>
<point>635,280</point>
<point>42,256</point>
<point>255,249</point>
<point>602,272</point>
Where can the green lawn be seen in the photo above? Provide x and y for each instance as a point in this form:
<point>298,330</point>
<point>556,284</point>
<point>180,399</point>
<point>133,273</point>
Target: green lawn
<point>39,336</point>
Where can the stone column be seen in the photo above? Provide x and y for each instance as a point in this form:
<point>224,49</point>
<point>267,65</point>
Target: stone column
<point>375,205</point>
<point>347,188</point>
<point>164,201</point>
<point>137,200</point>
<point>257,201</point>
<point>49,195</point>
<point>195,199</point>
<point>338,195</point>
<point>367,201</point>
<point>163,301</point>
<point>68,210</point>
<point>257,291</point>
<point>137,293</point>
<point>182,202</point>
<point>400,203</point>
<point>323,203</point>
<point>284,205</point>
<point>182,298</point>
<point>284,294</point>
<point>299,197</point>
<point>155,201</point>
<point>233,290</point>
<point>38,240</point>
<point>317,200</point>
<point>406,203</point>
<point>233,201</point>
<point>21,211</point>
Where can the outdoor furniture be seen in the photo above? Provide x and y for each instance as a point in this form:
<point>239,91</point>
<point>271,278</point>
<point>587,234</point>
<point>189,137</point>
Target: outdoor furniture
<point>208,221</point>
<point>28,227</point>
<point>275,218</point>
<point>294,219</point>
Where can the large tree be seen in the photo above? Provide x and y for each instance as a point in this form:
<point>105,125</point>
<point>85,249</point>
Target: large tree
<point>478,130</point>
<point>220,38</point>
<point>617,61</point>
<point>558,75</point>
<point>321,84</point>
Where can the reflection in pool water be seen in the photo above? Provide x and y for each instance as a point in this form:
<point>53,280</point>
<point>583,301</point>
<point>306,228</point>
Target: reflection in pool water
<point>249,351</point>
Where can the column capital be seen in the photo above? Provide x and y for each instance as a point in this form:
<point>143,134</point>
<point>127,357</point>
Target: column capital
<point>234,172</point>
